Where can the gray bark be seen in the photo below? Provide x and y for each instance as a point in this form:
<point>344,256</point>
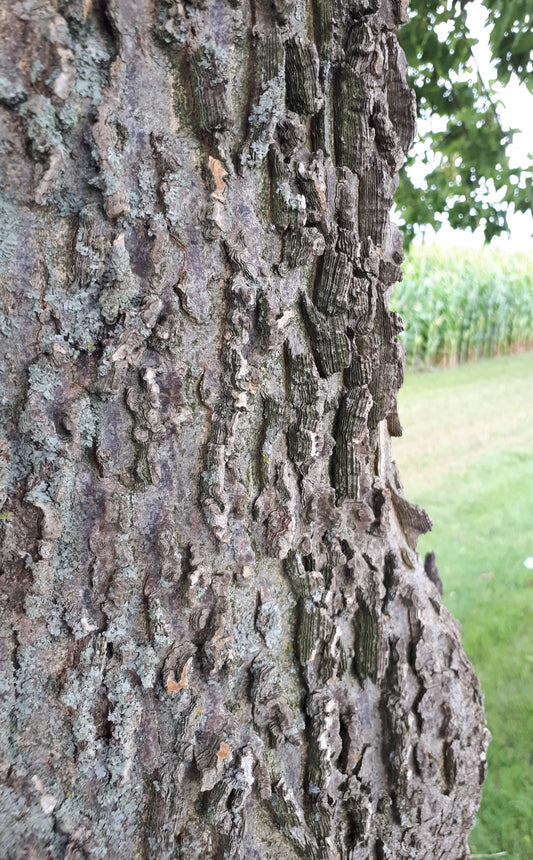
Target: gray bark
<point>218,640</point>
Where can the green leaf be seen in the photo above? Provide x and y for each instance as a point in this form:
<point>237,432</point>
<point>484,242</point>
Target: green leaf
<point>471,181</point>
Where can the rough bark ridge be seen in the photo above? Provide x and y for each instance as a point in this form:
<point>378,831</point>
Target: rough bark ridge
<point>218,640</point>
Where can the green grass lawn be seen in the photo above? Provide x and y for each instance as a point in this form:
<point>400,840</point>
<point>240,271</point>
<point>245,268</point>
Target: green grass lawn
<point>467,457</point>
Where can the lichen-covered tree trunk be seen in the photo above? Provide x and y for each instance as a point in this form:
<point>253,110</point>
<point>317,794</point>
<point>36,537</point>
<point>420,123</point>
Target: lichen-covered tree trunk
<point>218,640</point>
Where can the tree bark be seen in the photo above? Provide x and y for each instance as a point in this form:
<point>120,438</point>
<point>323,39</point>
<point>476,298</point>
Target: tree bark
<point>218,640</point>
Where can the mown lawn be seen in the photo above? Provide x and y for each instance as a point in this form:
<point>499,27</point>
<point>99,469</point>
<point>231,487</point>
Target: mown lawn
<point>467,457</point>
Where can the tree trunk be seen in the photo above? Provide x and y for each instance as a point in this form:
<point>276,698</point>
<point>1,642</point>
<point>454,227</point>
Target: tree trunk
<point>218,639</point>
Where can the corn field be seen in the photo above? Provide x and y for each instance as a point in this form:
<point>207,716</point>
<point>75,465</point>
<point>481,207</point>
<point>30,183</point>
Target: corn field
<point>460,305</point>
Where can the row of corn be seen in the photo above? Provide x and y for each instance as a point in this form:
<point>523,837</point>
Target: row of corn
<point>459,305</point>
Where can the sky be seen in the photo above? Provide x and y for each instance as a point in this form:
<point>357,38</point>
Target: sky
<point>515,112</point>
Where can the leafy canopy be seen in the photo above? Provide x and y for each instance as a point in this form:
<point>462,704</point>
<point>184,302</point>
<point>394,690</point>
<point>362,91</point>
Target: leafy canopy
<point>469,177</point>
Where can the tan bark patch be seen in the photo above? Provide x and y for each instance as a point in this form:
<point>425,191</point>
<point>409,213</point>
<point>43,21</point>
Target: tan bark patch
<point>223,752</point>
<point>217,169</point>
<point>174,686</point>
